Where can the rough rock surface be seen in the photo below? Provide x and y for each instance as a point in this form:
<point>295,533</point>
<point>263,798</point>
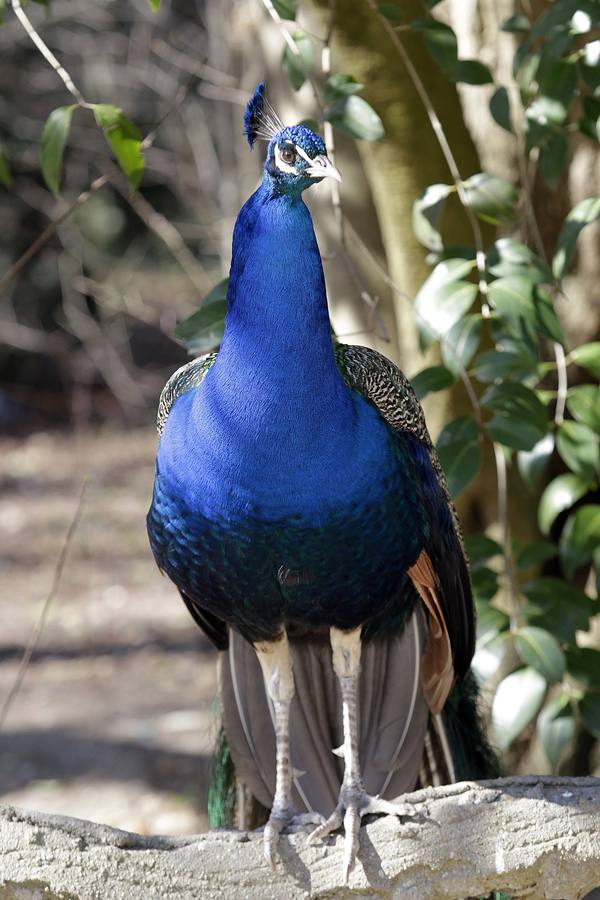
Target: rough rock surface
<point>529,836</point>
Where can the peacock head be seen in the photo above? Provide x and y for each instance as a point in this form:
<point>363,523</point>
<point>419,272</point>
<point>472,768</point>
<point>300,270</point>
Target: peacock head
<point>296,156</point>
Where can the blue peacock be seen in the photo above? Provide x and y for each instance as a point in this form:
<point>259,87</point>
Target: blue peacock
<point>300,509</point>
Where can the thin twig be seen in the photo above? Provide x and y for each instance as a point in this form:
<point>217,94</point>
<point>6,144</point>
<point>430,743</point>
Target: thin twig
<point>563,382</point>
<point>293,49</point>
<point>502,481</point>
<point>47,53</point>
<point>39,626</point>
<point>50,230</point>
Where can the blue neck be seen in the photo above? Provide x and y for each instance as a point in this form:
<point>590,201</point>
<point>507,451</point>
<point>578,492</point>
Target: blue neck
<point>277,331</point>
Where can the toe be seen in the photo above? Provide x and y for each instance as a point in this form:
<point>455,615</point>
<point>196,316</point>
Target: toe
<point>331,824</point>
<point>351,840</point>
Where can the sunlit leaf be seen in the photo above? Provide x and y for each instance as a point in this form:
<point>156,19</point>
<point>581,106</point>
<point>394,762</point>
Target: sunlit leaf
<point>338,86</point>
<point>583,402</point>
<point>580,538</point>
<point>439,306</point>
<point>588,357</point>
<point>509,257</point>
<point>556,728</point>
<point>532,463</point>
<point>492,199</point>
<point>460,344</point>
<point>203,330</point>
<point>124,138</point>
<point>353,115</point>
<point>54,138</point>
<point>559,496</point>
<point>492,642</point>
<point>579,448</point>
<point>297,66</point>
<point>582,214</point>
<point>155,5</point>
<point>540,650</point>
<point>286,8</point>
<point>426,214</point>
<point>517,700</point>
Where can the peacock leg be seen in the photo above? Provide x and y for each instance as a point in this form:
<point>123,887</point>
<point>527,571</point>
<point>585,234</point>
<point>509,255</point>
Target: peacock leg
<point>276,664</point>
<point>353,801</point>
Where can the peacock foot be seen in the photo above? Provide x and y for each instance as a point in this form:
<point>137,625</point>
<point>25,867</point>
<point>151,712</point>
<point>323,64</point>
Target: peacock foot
<point>353,804</point>
<point>284,818</point>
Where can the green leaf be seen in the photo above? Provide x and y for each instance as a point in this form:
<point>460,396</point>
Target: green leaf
<point>485,584</point>
<point>539,649</point>
<point>546,319</point>
<point>557,86</point>
<point>589,710</point>
<point>492,199</point>
<point>555,728</point>
<point>124,139</point>
<point>494,364</point>
<point>338,86</point>
<point>435,378</point>
<point>578,446</point>
<point>516,24</point>
<point>559,496</point>
<point>500,109</point>
<point>439,306</point>
<point>203,330</point>
<point>2,11</point>
<point>557,606</point>
<point>535,553</point>
<point>519,403</point>
<point>287,9</point>
<point>5,176</point>
<point>472,71</point>
<point>391,12</point>
<point>582,214</point>
<point>588,357</point>
<point>553,158</point>
<point>583,402</point>
<point>155,5</point>
<point>516,702</point>
<point>441,43</point>
<point>589,66</point>
<point>523,307</point>
<point>512,432</point>
<point>459,453</point>
<point>460,344</point>
<point>355,117</point>
<point>532,463</point>
<point>589,122</point>
<point>580,538</point>
<point>492,642</point>
<point>297,66</point>
<point>426,214</point>
<point>480,548</point>
<point>509,257</point>
<point>54,138</point>
<point>583,664</point>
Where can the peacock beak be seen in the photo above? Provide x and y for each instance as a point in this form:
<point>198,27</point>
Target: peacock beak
<point>322,167</point>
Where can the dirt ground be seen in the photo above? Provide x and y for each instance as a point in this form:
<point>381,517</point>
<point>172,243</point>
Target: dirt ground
<point>116,717</point>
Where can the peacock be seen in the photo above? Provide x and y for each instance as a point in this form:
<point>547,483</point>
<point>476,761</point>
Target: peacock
<point>301,510</point>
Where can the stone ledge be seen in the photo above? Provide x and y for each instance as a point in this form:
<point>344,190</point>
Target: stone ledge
<point>530,836</point>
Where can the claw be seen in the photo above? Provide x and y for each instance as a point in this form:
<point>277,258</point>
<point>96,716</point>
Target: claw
<point>353,804</point>
<point>280,820</point>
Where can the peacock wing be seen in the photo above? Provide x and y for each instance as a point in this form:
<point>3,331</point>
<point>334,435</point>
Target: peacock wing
<point>440,574</point>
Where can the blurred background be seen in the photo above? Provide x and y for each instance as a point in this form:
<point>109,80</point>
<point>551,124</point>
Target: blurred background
<point>116,715</point>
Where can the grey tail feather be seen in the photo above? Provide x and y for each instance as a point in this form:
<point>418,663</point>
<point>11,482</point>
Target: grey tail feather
<point>402,745</point>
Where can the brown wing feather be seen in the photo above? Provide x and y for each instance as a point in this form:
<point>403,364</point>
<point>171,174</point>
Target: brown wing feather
<point>438,671</point>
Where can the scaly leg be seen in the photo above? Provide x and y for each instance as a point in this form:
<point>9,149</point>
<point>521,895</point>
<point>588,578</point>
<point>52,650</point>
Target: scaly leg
<point>276,664</point>
<point>353,801</point>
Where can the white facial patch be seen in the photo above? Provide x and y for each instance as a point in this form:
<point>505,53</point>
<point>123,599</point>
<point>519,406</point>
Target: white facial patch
<point>281,165</point>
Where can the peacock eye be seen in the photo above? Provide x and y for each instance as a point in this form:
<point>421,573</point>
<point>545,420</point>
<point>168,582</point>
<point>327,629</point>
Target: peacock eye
<point>288,155</point>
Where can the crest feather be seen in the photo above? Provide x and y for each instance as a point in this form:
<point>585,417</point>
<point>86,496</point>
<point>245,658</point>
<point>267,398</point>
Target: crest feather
<point>260,119</point>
